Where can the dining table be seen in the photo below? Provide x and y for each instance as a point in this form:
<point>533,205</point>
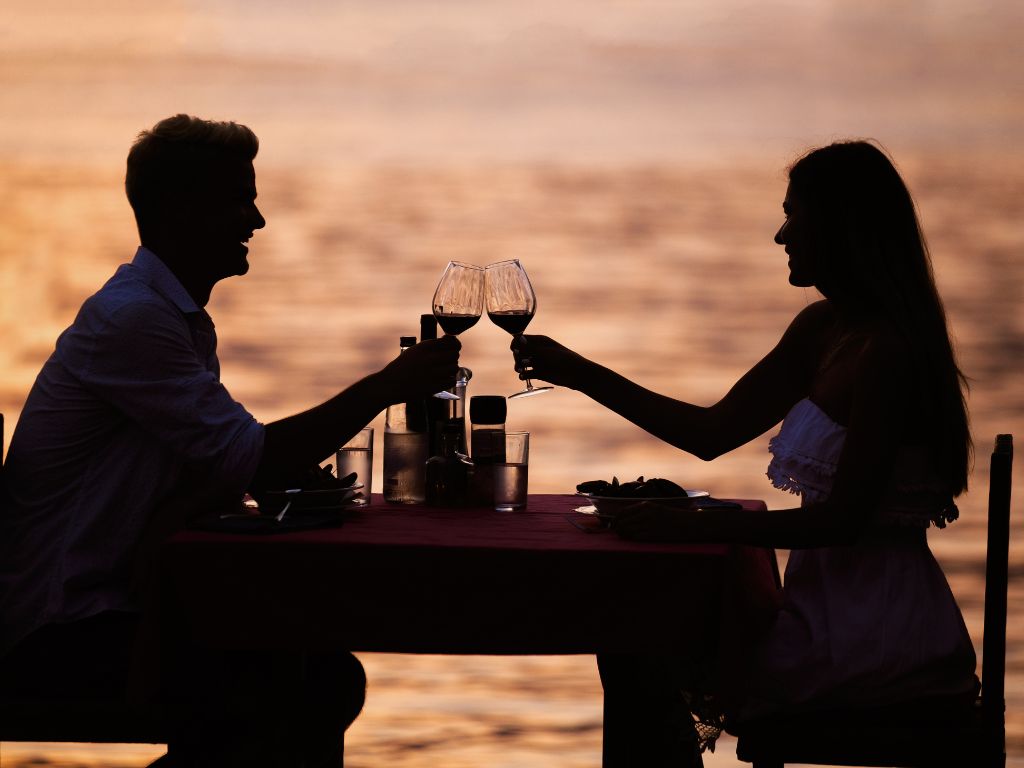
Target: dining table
<point>408,578</point>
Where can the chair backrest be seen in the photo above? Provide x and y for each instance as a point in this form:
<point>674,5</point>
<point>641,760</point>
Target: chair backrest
<point>993,699</point>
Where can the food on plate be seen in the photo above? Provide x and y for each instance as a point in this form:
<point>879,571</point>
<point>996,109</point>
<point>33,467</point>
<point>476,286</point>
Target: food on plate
<point>322,479</point>
<point>320,488</point>
<point>655,488</point>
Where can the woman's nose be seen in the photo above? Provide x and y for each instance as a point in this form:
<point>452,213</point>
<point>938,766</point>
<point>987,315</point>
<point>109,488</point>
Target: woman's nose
<point>779,237</point>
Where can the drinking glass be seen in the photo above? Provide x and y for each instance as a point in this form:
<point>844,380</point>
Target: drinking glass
<point>458,301</point>
<point>511,476</point>
<point>357,456</point>
<point>511,304</point>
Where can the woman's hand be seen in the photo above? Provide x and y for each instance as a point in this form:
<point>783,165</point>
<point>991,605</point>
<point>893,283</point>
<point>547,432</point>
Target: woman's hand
<point>540,357</point>
<point>649,521</point>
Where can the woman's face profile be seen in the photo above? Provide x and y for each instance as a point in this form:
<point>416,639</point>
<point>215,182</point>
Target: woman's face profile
<point>794,236</point>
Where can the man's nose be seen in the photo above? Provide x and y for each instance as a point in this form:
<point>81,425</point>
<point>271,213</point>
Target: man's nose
<point>258,221</point>
<point>779,239</point>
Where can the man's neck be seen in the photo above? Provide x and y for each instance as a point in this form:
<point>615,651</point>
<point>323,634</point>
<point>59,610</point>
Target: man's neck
<point>196,285</point>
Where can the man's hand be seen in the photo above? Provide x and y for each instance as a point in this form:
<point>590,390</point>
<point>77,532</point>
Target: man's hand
<point>544,358</point>
<point>428,367</point>
<point>292,444</point>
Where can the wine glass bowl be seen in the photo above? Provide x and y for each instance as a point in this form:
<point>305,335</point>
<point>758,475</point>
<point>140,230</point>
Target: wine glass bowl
<point>511,304</point>
<point>459,297</point>
<point>458,302</point>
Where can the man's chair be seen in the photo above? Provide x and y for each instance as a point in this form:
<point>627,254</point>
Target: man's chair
<point>919,734</point>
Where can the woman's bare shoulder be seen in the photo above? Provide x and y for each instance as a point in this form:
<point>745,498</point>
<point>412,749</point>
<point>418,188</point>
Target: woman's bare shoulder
<point>818,313</point>
<point>812,326</point>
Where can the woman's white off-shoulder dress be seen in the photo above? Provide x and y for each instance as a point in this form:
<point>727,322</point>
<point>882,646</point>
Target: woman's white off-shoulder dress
<point>869,624</point>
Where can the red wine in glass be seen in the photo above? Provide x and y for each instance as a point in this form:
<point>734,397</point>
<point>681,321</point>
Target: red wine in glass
<point>454,324</point>
<point>513,321</point>
<point>458,301</point>
<point>511,304</point>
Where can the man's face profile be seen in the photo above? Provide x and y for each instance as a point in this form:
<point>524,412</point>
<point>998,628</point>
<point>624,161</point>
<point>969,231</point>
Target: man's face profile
<point>221,217</point>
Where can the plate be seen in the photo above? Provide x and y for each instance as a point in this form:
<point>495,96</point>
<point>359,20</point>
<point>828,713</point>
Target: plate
<point>319,500</point>
<point>609,506</point>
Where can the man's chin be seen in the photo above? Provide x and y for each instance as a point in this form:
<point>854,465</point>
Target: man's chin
<point>240,264</point>
<point>236,268</point>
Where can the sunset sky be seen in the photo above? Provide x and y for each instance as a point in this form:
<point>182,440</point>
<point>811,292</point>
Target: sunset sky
<point>460,80</point>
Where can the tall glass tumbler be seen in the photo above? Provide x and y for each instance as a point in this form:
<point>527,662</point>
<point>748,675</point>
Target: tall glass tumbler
<point>357,456</point>
<point>511,475</point>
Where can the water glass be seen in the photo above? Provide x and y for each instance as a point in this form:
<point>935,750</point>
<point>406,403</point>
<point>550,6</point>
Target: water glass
<point>357,456</point>
<point>511,475</point>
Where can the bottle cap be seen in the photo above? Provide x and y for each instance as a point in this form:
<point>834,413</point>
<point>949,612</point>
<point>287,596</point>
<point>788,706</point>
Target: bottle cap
<point>428,327</point>
<point>488,409</point>
<point>407,341</point>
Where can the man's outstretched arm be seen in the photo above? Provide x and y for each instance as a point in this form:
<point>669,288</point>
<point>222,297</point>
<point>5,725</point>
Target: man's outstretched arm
<point>294,444</point>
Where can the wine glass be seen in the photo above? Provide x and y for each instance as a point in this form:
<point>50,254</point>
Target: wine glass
<point>458,301</point>
<point>511,303</point>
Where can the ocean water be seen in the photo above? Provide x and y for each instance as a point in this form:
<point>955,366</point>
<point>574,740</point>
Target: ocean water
<point>633,159</point>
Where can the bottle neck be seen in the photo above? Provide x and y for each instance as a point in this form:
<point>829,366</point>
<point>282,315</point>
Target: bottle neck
<point>450,443</point>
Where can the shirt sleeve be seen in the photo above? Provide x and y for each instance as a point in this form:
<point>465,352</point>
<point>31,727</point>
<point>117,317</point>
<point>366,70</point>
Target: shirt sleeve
<point>139,358</point>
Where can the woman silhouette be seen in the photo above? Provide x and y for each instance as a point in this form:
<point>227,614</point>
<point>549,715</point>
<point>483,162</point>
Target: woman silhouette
<point>874,439</point>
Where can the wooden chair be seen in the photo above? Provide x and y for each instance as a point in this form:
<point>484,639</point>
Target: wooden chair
<point>919,734</point>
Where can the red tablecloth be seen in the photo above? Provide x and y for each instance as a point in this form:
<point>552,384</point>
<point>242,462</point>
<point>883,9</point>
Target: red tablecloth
<point>415,579</point>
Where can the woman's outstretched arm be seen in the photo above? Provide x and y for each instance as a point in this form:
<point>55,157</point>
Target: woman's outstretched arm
<point>758,401</point>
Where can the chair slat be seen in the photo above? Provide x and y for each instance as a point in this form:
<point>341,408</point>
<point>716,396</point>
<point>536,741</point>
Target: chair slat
<point>996,582</point>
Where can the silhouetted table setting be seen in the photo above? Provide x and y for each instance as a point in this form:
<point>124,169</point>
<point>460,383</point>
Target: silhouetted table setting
<point>416,579</point>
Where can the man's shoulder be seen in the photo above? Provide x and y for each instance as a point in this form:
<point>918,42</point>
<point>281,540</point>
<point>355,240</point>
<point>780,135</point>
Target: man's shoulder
<point>125,309</point>
<point>126,299</point>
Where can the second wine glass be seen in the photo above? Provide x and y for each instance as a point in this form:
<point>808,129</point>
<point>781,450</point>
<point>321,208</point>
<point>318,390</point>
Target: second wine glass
<point>511,304</point>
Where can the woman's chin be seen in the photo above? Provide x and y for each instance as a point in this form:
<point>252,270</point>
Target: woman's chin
<point>800,282</point>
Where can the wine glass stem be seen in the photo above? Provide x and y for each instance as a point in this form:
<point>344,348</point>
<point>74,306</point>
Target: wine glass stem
<point>524,364</point>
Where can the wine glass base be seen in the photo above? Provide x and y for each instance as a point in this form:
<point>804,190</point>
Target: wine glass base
<point>529,392</point>
<point>446,396</point>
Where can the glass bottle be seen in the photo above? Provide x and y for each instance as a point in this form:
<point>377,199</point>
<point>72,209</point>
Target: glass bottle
<point>437,409</point>
<point>448,473</point>
<point>487,414</point>
<point>456,417</point>
<point>405,449</point>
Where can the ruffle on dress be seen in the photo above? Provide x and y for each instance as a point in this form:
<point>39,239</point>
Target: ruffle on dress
<point>805,455</point>
<point>916,506</point>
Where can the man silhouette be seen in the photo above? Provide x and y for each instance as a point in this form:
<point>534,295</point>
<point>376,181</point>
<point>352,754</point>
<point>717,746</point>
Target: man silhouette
<point>128,431</point>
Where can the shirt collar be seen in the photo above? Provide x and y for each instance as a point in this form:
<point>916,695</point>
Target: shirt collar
<point>159,276</point>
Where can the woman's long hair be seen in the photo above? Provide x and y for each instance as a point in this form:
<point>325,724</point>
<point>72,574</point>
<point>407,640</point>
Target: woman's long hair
<point>872,262</point>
